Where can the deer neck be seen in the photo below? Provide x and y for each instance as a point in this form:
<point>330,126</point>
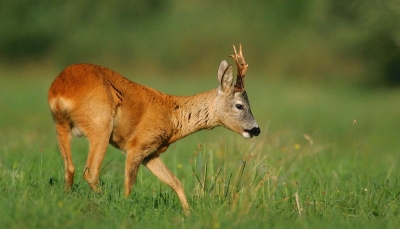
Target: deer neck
<point>193,113</point>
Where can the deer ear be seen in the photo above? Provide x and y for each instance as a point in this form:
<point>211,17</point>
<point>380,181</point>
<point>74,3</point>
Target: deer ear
<point>225,76</point>
<point>221,69</point>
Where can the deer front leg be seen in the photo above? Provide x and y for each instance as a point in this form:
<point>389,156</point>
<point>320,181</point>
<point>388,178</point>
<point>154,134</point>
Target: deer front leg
<point>133,161</point>
<point>160,170</point>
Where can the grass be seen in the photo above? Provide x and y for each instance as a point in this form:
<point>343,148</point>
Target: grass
<point>311,167</point>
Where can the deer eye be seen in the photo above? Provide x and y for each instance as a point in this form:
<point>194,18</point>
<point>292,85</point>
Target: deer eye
<point>239,106</point>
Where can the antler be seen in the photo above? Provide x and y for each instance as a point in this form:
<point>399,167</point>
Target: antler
<point>241,66</point>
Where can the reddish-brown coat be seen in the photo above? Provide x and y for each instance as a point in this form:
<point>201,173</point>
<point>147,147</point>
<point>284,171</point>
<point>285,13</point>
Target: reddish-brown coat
<point>93,101</point>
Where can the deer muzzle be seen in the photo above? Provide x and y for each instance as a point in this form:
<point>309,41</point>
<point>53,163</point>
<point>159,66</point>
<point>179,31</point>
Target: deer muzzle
<point>249,133</point>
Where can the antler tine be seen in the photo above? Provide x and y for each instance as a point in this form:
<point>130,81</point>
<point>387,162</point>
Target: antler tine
<point>241,66</point>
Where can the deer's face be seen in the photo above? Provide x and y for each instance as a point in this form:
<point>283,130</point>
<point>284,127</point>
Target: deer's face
<point>233,108</point>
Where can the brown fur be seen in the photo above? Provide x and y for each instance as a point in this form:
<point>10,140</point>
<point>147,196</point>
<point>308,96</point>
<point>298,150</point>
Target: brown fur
<point>93,101</point>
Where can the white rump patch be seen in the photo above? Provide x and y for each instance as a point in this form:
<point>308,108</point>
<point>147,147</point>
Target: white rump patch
<point>61,103</point>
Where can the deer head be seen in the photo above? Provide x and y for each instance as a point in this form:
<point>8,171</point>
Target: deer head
<point>232,104</point>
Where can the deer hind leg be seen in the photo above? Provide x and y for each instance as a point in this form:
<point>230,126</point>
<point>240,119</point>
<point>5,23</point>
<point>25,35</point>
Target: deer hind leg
<point>98,137</point>
<point>94,122</point>
<point>160,170</point>
<point>64,145</point>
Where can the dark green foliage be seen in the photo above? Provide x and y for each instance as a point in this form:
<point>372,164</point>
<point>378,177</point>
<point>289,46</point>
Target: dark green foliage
<point>313,39</point>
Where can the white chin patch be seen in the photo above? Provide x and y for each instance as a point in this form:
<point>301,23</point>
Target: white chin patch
<point>246,135</point>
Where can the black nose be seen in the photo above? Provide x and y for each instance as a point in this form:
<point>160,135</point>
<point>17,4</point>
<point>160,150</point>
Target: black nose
<point>255,131</point>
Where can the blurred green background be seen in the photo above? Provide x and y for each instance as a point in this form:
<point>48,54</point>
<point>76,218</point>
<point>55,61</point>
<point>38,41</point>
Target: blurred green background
<point>334,40</point>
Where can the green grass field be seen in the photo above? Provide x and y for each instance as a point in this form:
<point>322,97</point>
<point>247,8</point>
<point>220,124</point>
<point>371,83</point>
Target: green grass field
<point>312,166</point>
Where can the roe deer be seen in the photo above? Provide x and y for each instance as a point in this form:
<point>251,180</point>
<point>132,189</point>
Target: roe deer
<point>95,102</point>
